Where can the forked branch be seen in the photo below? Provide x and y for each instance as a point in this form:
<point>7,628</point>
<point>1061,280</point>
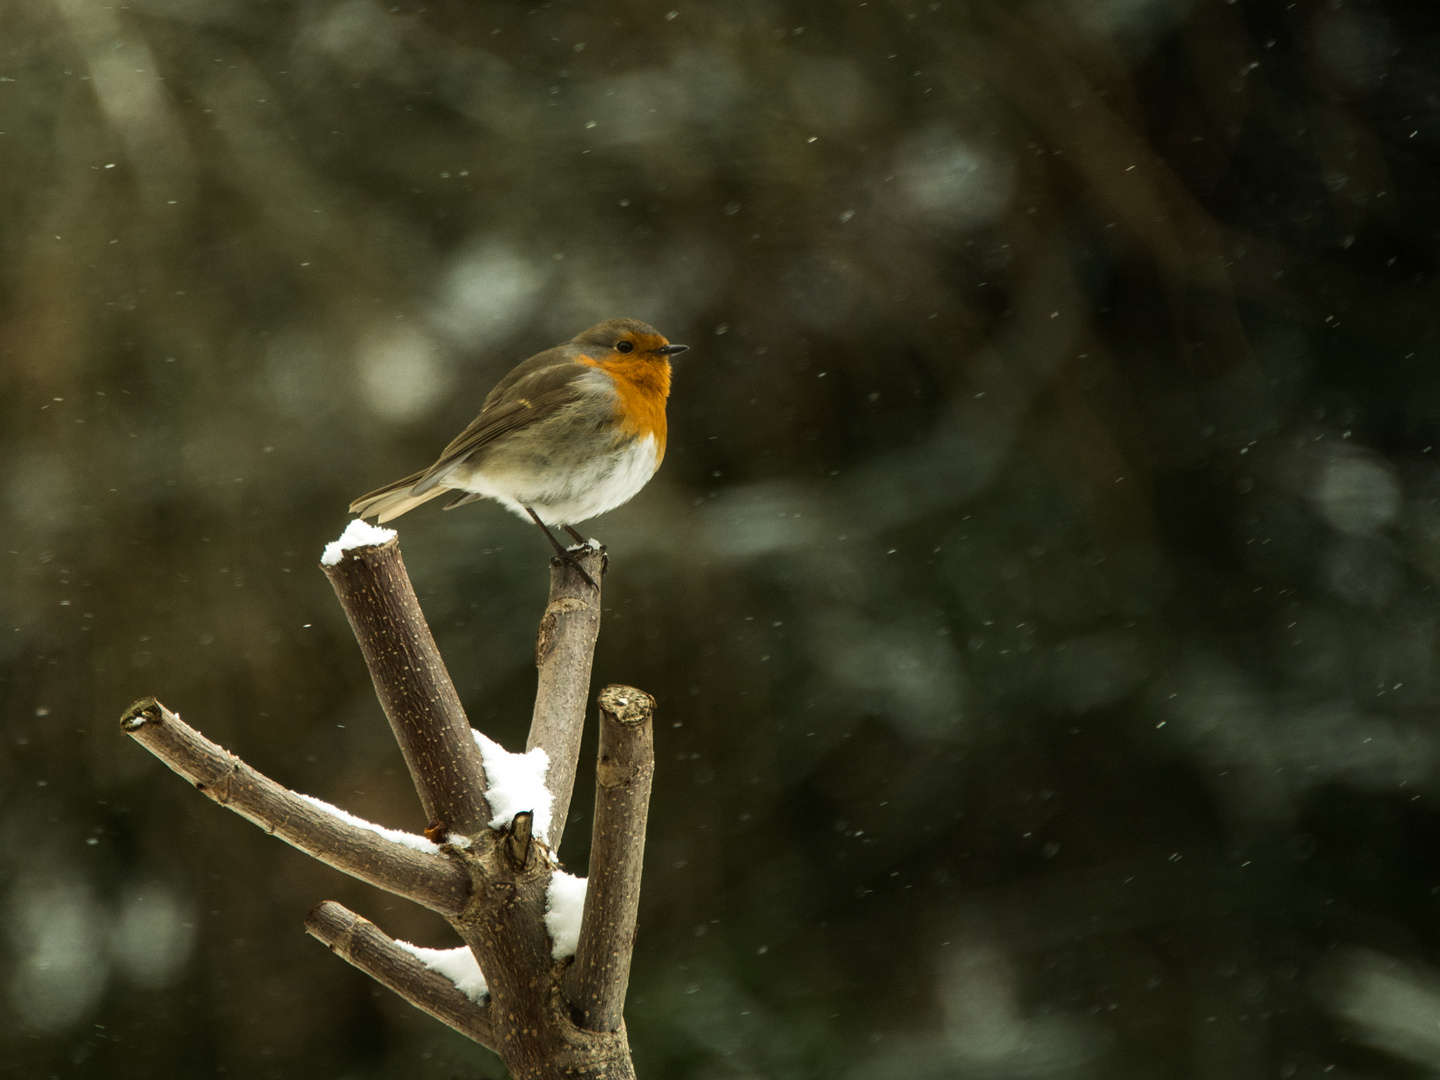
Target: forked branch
<point>546,1015</point>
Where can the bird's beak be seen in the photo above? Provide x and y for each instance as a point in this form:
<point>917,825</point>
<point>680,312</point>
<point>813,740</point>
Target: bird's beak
<point>671,350</point>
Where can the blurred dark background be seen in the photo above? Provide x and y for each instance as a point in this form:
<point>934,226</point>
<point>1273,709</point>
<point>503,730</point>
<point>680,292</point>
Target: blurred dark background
<point>1039,589</point>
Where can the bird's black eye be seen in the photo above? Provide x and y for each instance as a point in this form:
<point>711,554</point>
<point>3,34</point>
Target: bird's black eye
<point>624,346</point>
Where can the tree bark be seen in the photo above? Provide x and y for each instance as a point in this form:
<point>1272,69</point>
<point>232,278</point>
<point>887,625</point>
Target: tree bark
<point>413,686</point>
<point>564,653</point>
<point>595,983</point>
<point>492,884</point>
<point>361,943</point>
<point>536,1033</point>
<point>438,882</point>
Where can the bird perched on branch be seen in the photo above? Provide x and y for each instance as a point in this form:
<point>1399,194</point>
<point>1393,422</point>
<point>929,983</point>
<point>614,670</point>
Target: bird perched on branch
<point>572,432</point>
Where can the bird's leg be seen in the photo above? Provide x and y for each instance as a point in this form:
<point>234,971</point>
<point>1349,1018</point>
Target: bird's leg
<point>559,548</point>
<point>584,543</point>
<point>565,556</point>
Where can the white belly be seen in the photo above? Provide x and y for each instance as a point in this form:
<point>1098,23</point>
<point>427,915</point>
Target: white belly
<point>569,495</point>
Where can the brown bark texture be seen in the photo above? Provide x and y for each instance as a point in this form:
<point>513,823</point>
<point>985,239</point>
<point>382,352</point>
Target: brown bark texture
<point>546,1018</point>
<point>564,652</point>
<point>437,882</point>
<point>413,686</point>
<point>361,943</point>
<point>596,981</point>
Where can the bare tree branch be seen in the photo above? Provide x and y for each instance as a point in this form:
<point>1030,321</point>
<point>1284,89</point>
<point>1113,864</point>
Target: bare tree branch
<point>595,983</point>
<point>413,686</point>
<point>435,881</point>
<point>548,1019</point>
<point>564,653</point>
<point>360,942</point>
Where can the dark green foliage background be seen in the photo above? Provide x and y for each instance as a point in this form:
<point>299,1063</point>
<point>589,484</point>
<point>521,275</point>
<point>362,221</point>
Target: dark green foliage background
<point>1038,590</point>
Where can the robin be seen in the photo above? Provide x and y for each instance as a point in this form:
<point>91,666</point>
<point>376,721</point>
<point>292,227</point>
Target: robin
<point>572,432</point>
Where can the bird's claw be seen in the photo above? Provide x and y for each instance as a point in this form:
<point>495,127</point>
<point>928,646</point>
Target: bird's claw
<point>570,557</point>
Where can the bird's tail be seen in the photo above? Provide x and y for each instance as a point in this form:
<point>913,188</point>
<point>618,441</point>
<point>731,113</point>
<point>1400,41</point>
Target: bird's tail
<point>392,500</point>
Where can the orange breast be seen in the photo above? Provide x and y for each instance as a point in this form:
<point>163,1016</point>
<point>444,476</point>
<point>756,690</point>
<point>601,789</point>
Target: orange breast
<point>643,386</point>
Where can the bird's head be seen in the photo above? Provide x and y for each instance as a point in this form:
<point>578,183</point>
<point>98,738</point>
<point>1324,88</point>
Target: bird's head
<point>626,340</point>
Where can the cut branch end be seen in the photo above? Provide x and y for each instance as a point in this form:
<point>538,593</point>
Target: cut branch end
<point>626,705</point>
<point>145,711</point>
<point>518,845</point>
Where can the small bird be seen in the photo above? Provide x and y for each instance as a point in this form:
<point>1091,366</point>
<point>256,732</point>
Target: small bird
<point>572,432</point>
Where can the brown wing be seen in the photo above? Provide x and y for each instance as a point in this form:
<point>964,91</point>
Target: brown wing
<point>531,392</point>
<point>561,356</point>
<point>515,405</point>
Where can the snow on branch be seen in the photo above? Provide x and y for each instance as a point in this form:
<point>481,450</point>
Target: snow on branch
<point>410,840</point>
<point>458,965</point>
<point>516,784</point>
<point>357,534</point>
<point>514,988</point>
<point>564,909</point>
<point>398,966</point>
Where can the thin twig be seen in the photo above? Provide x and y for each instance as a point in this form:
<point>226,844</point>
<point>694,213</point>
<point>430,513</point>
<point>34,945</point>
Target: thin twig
<point>413,686</point>
<point>595,983</point>
<point>362,943</point>
<point>564,653</point>
<point>429,879</point>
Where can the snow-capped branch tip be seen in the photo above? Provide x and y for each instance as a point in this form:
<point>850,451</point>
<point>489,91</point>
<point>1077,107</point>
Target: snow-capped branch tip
<point>358,533</point>
<point>413,686</point>
<point>396,862</point>
<point>595,983</point>
<point>363,944</point>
